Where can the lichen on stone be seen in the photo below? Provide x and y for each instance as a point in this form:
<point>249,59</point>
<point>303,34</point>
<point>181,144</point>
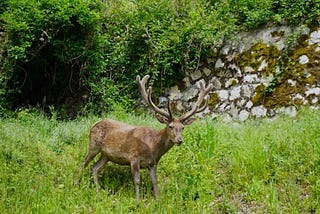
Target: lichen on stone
<point>257,55</point>
<point>213,101</point>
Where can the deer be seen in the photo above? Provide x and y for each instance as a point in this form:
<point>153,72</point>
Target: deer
<point>138,146</point>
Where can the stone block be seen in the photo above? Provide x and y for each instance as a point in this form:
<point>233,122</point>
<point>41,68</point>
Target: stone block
<point>223,94</point>
<point>259,111</point>
<point>207,71</point>
<point>219,64</point>
<point>243,115</point>
<point>196,75</point>
<point>235,93</point>
<point>216,83</point>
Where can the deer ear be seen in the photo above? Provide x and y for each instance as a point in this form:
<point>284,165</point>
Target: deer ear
<point>162,119</point>
<point>188,121</point>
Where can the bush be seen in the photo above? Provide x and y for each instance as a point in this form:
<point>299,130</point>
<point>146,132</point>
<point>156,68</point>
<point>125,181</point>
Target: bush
<point>49,46</point>
<point>84,55</point>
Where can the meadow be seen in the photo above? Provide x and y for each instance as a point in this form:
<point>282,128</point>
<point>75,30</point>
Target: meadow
<point>257,166</point>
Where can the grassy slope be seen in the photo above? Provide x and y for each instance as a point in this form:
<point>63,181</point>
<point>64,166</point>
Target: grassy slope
<point>256,166</point>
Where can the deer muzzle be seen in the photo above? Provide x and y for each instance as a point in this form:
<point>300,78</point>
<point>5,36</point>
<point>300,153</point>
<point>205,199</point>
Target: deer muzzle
<point>179,141</point>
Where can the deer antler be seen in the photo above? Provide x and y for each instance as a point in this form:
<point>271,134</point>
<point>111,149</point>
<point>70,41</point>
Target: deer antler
<point>146,95</point>
<point>202,95</point>
<point>142,86</point>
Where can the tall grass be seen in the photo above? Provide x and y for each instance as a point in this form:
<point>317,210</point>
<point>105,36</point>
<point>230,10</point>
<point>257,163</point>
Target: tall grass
<point>259,166</point>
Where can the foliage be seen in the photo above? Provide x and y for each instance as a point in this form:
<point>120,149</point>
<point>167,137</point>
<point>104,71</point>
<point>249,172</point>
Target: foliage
<point>85,55</point>
<point>258,166</point>
<point>297,12</point>
<point>49,46</point>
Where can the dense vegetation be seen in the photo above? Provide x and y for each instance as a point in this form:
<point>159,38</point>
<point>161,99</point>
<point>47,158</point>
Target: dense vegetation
<point>258,166</point>
<point>86,54</point>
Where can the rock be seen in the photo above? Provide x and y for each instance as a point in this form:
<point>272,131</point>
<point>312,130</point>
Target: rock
<point>186,82</point>
<point>250,78</point>
<point>240,102</point>
<point>292,82</point>
<point>231,82</point>
<point>249,104</point>
<point>267,80</point>
<point>233,111</point>
<point>207,71</point>
<point>315,91</point>
<point>314,37</point>
<point>304,59</point>
<point>247,90</point>
<point>249,70</point>
<point>162,101</point>
<point>235,68</point>
<point>290,111</point>
<point>263,65</point>
<point>259,111</point>
<point>226,117</point>
<point>299,97</point>
<point>190,93</point>
<point>196,75</point>
<point>314,100</point>
<point>223,94</point>
<point>219,64</point>
<point>222,108</point>
<point>216,83</point>
<point>175,93</point>
<point>243,115</point>
<point>235,93</point>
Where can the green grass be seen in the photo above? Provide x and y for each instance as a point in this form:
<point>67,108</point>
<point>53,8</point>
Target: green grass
<point>258,166</point>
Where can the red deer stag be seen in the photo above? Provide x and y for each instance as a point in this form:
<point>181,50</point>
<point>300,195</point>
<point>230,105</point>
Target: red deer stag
<point>138,146</point>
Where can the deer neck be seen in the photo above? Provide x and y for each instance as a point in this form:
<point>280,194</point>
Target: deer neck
<point>163,144</point>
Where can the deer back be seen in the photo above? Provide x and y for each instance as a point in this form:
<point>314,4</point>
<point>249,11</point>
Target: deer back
<point>121,142</point>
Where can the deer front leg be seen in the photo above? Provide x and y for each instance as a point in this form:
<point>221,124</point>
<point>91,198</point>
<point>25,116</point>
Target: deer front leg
<point>153,175</point>
<point>135,169</point>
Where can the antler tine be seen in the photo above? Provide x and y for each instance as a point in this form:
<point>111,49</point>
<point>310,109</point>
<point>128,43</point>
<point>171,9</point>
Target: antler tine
<point>202,94</point>
<point>146,96</point>
<point>205,105</point>
<point>155,108</point>
<point>169,109</point>
<point>142,86</point>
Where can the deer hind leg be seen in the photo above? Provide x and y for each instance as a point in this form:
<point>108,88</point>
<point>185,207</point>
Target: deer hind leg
<point>100,163</point>
<point>91,154</point>
<point>135,169</point>
<point>93,151</point>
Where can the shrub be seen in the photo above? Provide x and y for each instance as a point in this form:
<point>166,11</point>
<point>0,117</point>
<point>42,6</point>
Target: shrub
<point>84,55</point>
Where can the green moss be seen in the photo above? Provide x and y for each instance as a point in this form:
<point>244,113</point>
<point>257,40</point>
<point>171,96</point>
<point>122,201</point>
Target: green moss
<point>282,96</point>
<point>214,100</point>
<point>277,33</point>
<point>259,53</point>
<point>234,82</point>
<point>259,96</point>
<point>280,92</point>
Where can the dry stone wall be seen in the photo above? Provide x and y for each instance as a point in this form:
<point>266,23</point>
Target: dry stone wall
<point>262,73</point>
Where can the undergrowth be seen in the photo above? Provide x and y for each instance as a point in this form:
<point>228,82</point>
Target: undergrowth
<point>259,166</point>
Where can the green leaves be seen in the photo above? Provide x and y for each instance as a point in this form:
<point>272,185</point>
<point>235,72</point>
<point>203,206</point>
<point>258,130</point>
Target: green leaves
<point>75,47</point>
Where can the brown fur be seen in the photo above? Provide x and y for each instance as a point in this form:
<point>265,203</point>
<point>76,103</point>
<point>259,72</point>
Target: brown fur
<point>138,146</point>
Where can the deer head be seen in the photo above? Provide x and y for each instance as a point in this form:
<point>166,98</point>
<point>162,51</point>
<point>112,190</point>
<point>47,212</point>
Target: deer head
<point>174,125</point>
